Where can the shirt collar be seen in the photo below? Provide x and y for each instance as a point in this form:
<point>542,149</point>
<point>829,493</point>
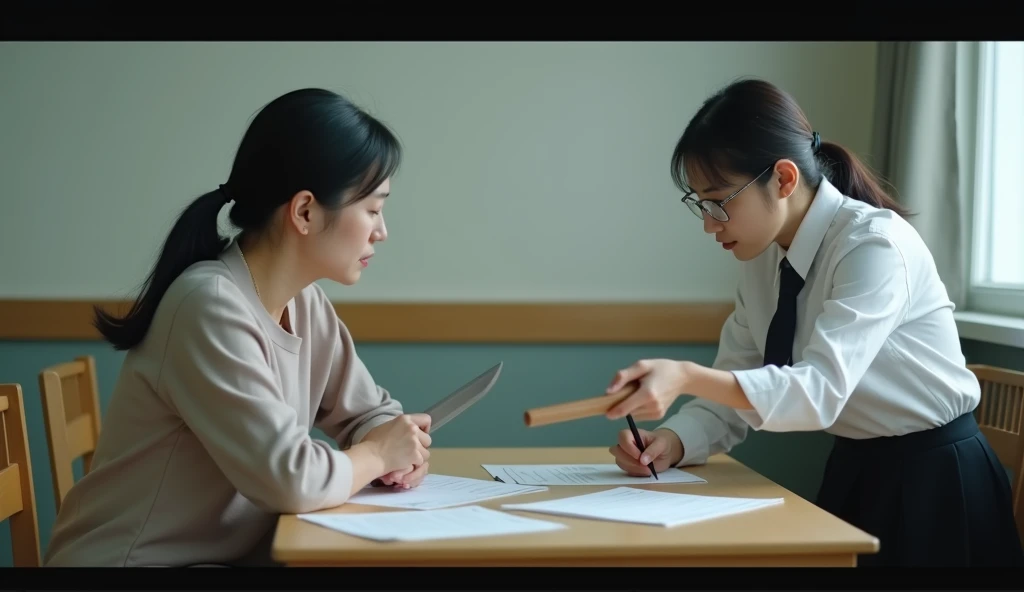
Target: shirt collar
<point>813,227</point>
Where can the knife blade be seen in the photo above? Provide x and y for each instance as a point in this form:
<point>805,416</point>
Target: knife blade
<point>451,406</point>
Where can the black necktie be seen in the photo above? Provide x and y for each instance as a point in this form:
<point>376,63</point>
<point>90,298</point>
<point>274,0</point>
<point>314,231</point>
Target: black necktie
<point>778,348</point>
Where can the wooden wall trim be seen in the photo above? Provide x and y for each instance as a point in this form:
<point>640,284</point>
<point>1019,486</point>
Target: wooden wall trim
<point>683,322</point>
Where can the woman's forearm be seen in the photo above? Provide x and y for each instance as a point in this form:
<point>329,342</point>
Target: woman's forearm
<point>719,386</point>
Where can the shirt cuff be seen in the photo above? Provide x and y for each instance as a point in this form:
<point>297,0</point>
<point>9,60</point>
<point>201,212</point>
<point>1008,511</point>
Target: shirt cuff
<point>691,433</point>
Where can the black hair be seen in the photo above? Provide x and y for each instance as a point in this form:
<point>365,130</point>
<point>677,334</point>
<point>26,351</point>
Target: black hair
<point>309,139</point>
<point>751,124</point>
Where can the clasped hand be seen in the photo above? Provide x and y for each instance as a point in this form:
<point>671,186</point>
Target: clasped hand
<point>403,445</point>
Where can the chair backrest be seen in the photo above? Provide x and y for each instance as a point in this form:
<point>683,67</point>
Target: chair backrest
<point>17,492</point>
<point>1001,418</point>
<point>71,414</point>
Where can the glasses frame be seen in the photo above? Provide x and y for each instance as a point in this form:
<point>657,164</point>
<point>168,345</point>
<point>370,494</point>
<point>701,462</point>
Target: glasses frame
<point>702,203</point>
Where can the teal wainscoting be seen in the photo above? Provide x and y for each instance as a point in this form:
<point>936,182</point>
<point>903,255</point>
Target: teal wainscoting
<point>993,354</point>
<point>418,374</point>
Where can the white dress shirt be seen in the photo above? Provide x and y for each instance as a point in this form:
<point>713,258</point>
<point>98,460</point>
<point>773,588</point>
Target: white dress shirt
<point>876,351</point>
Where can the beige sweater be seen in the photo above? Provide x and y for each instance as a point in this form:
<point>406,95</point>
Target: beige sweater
<point>206,438</point>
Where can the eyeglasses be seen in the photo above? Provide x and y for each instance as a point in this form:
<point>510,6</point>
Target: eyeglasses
<point>716,209</point>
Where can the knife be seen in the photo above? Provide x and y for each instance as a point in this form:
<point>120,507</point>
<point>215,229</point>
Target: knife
<point>451,406</point>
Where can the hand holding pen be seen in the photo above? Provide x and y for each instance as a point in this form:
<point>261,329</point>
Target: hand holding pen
<point>660,449</point>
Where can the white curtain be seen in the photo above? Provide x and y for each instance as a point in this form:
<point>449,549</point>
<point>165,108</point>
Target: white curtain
<point>924,145</point>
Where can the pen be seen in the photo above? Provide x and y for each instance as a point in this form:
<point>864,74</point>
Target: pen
<point>640,444</point>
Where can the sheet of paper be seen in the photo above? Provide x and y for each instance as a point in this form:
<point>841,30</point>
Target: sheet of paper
<point>641,506</point>
<point>607,474</point>
<point>412,525</point>
<point>440,491</point>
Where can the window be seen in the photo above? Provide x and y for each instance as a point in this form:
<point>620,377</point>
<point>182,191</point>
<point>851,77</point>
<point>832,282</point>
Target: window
<point>997,265</point>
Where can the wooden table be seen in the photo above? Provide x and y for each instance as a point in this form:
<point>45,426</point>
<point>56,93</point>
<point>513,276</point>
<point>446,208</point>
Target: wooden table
<point>795,533</point>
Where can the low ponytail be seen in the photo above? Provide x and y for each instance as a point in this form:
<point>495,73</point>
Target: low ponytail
<point>195,237</point>
<point>854,179</point>
<point>309,139</point>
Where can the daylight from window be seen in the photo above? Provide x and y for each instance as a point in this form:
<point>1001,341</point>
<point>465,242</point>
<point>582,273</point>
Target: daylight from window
<point>1006,176</point>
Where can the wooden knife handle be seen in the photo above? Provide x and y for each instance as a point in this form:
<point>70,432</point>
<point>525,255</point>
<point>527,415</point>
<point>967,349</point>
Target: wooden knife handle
<point>578,409</point>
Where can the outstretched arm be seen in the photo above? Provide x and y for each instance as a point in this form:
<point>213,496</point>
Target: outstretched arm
<point>704,427</point>
<point>870,298</point>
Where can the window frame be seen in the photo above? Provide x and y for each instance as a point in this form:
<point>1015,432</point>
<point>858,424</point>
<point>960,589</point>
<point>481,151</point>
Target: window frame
<point>982,295</point>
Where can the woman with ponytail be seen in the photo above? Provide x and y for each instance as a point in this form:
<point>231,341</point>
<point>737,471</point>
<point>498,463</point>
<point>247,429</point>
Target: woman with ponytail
<point>233,354</point>
<point>841,324</point>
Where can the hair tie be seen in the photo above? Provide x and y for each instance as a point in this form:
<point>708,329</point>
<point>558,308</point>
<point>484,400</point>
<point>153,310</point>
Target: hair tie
<point>815,142</point>
<point>224,192</point>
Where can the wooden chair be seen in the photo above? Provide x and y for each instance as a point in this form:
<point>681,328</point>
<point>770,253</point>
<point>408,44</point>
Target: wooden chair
<point>17,492</point>
<point>1001,418</point>
<point>71,414</point>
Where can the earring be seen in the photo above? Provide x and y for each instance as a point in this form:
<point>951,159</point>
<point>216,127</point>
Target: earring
<point>305,231</point>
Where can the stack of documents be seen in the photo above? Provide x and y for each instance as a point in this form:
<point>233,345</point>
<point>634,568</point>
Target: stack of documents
<point>440,491</point>
<point>582,475</point>
<point>467,521</point>
<point>641,506</point>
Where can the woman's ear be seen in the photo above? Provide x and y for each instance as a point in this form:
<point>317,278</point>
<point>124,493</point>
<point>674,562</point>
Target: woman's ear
<point>789,177</point>
<point>300,211</point>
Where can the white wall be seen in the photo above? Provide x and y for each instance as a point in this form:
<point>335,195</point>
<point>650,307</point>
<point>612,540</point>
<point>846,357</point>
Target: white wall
<point>533,171</point>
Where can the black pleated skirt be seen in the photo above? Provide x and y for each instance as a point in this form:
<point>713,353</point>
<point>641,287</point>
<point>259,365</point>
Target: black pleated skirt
<point>933,498</point>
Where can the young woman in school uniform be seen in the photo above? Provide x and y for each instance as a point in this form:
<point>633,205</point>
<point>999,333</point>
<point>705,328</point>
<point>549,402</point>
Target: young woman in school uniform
<point>234,354</point>
<point>841,324</point>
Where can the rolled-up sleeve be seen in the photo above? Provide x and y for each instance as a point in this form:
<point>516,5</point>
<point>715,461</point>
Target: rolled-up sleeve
<point>870,298</point>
